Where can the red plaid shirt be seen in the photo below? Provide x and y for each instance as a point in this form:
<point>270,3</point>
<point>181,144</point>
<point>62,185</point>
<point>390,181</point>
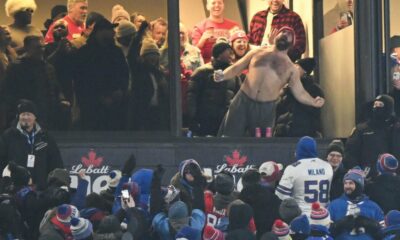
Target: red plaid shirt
<point>285,17</point>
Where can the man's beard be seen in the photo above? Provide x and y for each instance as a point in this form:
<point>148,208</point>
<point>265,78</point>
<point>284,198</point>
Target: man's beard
<point>282,44</point>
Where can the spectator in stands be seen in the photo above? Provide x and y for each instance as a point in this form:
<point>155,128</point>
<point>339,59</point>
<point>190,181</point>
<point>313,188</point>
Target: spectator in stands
<point>159,28</point>
<point>266,22</point>
<point>57,12</point>
<point>208,101</point>
<point>345,20</point>
<point>385,188</point>
<point>124,33</point>
<point>29,145</point>
<point>7,57</point>
<point>206,32</point>
<point>34,79</point>
<point>137,19</point>
<point>109,192</point>
<point>271,173</point>
<point>118,14</point>
<point>320,222</point>
<point>308,172</point>
<point>289,210</point>
<point>150,96</point>
<point>334,156</point>
<point>295,119</point>
<point>57,224</point>
<point>91,20</point>
<point>263,201</point>
<point>395,70</point>
<point>101,76</point>
<point>376,136</point>
<point>22,12</point>
<point>354,211</point>
<point>77,12</point>
<point>239,43</point>
<point>392,223</point>
<point>81,229</point>
<point>60,54</point>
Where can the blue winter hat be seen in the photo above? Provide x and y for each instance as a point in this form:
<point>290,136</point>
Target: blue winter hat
<point>188,233</point>
<point>178,210</point>
<point>387,163</point>
<point>300,225</point>
<point>392,218</point>
<point>356,175</point>
<point>81,228</point>
<point>306,148</point>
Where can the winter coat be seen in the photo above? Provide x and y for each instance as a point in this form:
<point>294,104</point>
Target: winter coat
<point>36,81</point>
<point>208,101</point>
<point>295,119</point>
<point>162,226</point>
<point>15,147</point>
<point>368,141</point>
<point>265,206</point>
<point>337,183</point>
<point>391,232</point>
<point>101,82</point>
<point>385,191</point>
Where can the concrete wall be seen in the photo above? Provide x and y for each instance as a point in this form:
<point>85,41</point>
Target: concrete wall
<point>337,79</point>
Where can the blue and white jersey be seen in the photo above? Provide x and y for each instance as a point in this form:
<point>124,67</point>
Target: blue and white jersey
<point>307,181</point>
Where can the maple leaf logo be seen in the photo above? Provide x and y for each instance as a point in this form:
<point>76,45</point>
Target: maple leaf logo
<point>92,159</point>
<point>236,159</point>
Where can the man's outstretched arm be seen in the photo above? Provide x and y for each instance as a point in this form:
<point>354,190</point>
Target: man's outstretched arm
<point>301,94</point>
<point>235,69</point>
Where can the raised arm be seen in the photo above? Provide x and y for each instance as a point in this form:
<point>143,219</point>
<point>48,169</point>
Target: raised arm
<point>235,69</point>
<point>300,93</point>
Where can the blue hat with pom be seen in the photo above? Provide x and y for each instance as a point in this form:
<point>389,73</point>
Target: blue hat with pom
<point>81,228</point>
<point>387,163</point>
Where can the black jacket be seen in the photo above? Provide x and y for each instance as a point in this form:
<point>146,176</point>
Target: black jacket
<point>14,146</point>
<point>265,206</point>
<point>385,191</point>
<point>337,183</point>
<point>208,101</point>
<point>368,141</point>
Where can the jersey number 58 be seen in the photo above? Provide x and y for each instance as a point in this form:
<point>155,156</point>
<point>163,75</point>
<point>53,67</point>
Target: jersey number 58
<point>316,191</point>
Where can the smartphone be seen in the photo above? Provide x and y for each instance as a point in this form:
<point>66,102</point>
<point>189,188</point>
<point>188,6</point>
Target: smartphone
<point>125,194</point>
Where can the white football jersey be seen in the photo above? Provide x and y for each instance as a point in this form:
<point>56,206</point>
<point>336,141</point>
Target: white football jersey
<point>307,181</point>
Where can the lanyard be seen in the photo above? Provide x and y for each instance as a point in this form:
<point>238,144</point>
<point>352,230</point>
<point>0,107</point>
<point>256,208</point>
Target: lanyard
<point>31,140</point>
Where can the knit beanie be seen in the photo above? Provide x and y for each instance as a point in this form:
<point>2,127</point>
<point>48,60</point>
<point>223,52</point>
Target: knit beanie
<point>13,6</point>
<point>57,10</point>
<point>281,229</point>
<point>395,41</point>
<point>219,48</point>
<point>387,164</point>
<point>118,12</point>
<point>306,148</point>
<point>81,228</point>
<point>335,146</point>
<point>188,233</point>
<point>307,64</point>
<point>66,212</point>
<point>113,178</point>
<point>224,183</point>
<point>286,28</point>
<point>210,233</point>
<point>250,177</point>
<point>25,105</point>
<point>392,218</point>
<point>149,46</point>
<point>238,34</point>
<point>289,209</point>
<point>60,175</point>
<point>300,225</point>
<point>125,28</point>
<point>356,175</point>
<point>178,210</point>
<point>319,215</point>
<point>270,171</point>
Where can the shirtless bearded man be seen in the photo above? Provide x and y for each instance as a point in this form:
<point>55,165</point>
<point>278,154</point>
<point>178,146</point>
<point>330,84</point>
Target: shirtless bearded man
<point>269,71</point>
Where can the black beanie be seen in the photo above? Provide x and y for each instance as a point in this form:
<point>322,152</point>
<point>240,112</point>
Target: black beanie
<point>25,105</point>
<point>57,10</point>
<point>395,42</point>
<point>251,177</point>
<point>307,64</point>
<point>388,103</point>
<point>335,146</point>
<point>224,183</point>
<point>219,48</point>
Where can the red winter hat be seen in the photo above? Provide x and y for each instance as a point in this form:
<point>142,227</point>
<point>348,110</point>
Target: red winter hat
<point>319,215</point>
<point>238,34</point>
<point>280,228</point>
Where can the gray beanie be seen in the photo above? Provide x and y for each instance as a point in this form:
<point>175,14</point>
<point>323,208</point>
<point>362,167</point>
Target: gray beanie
<point>289,209</point>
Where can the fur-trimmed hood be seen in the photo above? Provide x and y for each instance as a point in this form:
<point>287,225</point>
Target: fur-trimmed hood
<point>13,6</point>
